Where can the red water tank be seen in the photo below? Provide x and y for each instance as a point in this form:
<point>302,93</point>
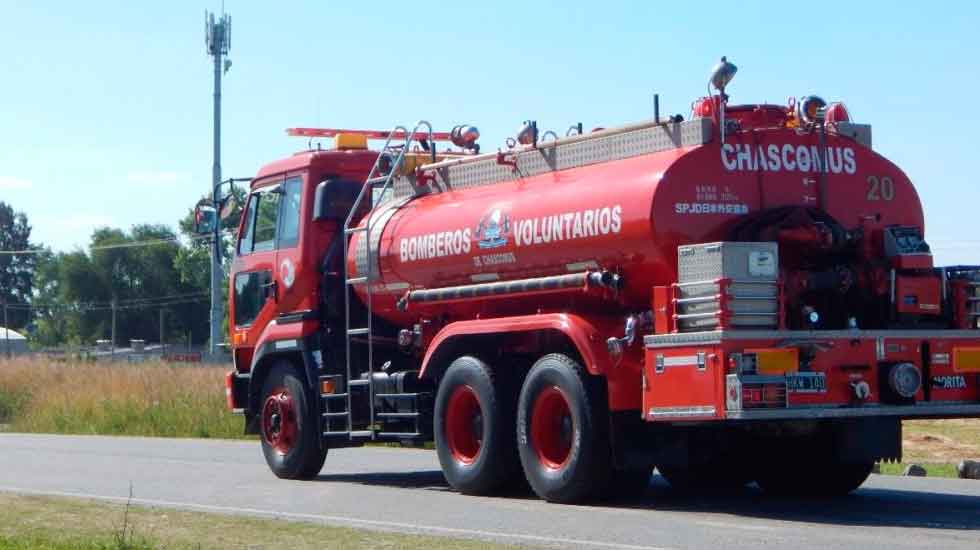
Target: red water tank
<point>626,215</point>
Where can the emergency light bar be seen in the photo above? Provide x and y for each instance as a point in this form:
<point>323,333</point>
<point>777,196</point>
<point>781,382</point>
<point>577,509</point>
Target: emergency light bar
<point>369,134</point>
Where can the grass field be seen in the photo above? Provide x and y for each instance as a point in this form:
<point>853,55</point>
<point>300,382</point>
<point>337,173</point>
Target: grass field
<point>152,399</point>
<point>42,523</point>
<point>159,399</point>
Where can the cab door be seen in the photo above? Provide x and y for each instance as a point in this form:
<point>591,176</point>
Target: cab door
<point>253,284</point>
<point>295,284</point>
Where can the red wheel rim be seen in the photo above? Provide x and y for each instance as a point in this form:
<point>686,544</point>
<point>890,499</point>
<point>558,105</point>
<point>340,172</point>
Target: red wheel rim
<point>464,425</point>
<point>552,428</point>
<point>279,425</point>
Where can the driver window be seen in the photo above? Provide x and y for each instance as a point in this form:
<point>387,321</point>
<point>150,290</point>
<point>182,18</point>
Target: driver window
<point>266,218</point>
<point>289,218</point>
<point>248,235</point>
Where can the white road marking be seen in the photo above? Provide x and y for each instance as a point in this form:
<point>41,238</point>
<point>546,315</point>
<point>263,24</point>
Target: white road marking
<point>728,525</point>
<point>391,525</point>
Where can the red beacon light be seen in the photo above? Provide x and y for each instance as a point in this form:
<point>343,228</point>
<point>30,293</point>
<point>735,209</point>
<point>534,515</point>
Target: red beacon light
<point>837,112</point>
<point>704,107</point>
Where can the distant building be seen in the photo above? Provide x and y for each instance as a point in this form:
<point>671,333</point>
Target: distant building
<point>13,341</point>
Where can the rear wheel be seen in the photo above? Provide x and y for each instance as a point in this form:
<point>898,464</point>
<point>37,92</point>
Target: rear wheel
<point>563,431</point>
<point>712,476</point>
<point>474,427</point>
<point>629,483</point>
<point>826,478</point>
<point>288,426</point>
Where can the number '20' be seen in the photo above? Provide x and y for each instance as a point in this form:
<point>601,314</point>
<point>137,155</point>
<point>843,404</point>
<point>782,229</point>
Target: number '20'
<point>880,189</point>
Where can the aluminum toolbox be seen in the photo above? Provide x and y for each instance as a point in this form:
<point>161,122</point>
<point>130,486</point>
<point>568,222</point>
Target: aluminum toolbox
<point>749,273</point>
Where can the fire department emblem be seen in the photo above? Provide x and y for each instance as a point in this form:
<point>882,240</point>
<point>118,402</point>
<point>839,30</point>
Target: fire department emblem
<point>287,272</point>
<point>493,230</point>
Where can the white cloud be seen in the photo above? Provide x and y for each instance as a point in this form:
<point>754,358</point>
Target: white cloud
<point>155,177</point>
<point>10,182</point>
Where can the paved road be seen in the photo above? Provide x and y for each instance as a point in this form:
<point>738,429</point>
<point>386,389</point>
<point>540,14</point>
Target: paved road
<point>403,490</point>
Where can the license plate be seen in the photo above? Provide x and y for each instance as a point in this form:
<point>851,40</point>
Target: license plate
<point>806,382</point>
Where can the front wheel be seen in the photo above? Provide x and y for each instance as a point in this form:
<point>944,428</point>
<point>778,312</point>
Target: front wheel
<point>288,425</point>
<point>563,431</point>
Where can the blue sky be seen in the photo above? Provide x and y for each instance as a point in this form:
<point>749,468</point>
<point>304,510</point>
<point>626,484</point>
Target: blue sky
<point>105,107</point>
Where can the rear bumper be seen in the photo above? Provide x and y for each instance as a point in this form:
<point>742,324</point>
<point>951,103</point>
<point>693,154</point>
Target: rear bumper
<point>830,374</point>
<point>925,410</point>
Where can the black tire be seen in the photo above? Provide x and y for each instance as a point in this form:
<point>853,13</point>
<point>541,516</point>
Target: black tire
<point>302,455</point>
<point>629,483</point>
<point>474,427</point>
<point>715,476</point>
<point>813,478</point>
<point>565,452</point>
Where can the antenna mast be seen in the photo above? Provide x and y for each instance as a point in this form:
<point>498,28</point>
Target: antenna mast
<point>217,37</point>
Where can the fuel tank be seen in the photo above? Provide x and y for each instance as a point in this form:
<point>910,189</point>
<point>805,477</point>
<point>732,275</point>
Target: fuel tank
<point>625,214</point>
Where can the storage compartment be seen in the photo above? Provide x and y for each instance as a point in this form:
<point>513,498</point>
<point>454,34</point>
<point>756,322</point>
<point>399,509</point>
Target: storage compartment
<point>727,285</point>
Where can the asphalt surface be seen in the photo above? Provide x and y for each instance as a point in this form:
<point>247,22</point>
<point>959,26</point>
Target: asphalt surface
<point>403,490</point>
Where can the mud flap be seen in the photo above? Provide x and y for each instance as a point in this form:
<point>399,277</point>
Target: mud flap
<point>868,439</point>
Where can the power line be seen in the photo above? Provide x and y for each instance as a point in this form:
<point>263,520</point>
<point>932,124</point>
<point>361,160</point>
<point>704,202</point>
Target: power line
<point>151,242</point>
<point>156,301</point>
<point>86,309</point>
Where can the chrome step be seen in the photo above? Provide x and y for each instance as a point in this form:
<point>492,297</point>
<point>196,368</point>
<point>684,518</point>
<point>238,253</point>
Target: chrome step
<point>362,433</point>
<point>398,415</point>
<point>357,331</point>
<point>335,414</point>
<point>332,395</point>
<point>359,382</point>
<point>399,434</point>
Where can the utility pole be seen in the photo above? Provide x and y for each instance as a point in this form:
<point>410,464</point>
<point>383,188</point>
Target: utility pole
<point>6,331</point>
<point>218,40</point>
<point>163,347</point>
<point>112,345</point>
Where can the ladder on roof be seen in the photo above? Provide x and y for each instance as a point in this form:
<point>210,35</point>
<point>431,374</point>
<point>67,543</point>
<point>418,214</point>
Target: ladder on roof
<point>378,177</point>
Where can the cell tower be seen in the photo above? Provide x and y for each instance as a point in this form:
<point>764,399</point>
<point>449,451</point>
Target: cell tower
<point>217,36</point>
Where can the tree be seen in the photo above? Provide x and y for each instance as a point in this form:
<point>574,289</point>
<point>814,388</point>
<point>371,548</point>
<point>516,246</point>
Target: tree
<point>16,269</point>
<point>136,271</point>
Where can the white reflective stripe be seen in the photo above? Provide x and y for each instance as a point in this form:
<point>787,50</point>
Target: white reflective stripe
<point>397,286</point>
<point>681,361</point>
<point>484,277</point>
<point>684,412</point>
<point>283,344</point>
<point>582,266</point>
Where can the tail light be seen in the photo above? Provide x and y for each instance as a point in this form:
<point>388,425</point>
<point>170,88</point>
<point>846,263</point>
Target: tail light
<point>762,394</point>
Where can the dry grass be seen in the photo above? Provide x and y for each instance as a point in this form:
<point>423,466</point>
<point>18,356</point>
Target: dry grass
<point>941,440</point>
<point>150,399</point>
<point>62,524</point>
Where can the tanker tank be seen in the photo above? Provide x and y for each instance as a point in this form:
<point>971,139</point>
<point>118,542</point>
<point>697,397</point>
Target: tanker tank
<point>619,200</point>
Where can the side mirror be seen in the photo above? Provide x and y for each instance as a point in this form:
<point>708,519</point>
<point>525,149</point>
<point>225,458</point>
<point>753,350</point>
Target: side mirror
<point>334,199</point>
<point>205,219</point>
<point>228,205</point>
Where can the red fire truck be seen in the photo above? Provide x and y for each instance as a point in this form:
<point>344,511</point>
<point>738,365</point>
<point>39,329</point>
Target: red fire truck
<point>746,295</point>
